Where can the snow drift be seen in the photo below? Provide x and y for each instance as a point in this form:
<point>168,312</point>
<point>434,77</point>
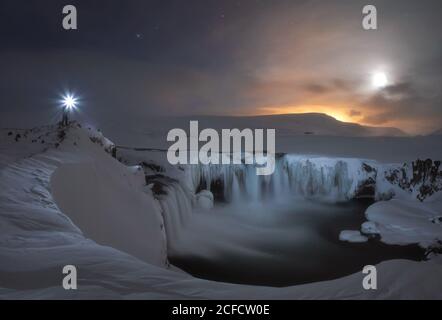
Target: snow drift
<point>96,193</point>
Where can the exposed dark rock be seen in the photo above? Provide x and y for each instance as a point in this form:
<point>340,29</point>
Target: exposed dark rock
<point>368,168</point>
<point>367,189</point>
<point>61,135</point>
<point>216,187</point>
<point>434,249</point>
<point>437,220</point>
<point>160,183</point>
<point>152,166</point>
<point>426,178</point>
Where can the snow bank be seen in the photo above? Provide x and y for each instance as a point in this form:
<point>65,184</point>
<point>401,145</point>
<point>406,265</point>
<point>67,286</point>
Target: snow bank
<point>369,228</point>
<point>107,202</point>
<point>75,181</point>
<point>406,222</point>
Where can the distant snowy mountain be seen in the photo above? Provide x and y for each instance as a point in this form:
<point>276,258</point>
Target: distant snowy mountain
<point>300,124</point>
<point>293,131</point>
<point>437,133</point>
<point>306,124</point>
<point>286,124</point>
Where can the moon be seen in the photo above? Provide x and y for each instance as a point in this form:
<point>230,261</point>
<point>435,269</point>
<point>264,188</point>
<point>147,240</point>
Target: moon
<point>379,80</point>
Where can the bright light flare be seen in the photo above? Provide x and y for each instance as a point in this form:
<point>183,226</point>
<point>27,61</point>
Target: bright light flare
<point>379,80</point>
<point>69,101</point>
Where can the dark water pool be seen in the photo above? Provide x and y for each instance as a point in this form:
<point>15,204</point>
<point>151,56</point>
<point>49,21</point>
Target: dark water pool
<point>280,244</point>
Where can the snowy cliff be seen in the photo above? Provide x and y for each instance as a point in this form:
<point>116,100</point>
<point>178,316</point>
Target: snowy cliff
<point>66,181</point>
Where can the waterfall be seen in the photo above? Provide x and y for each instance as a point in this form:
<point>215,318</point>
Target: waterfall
<point>176,209</point>
<point>335,179</point>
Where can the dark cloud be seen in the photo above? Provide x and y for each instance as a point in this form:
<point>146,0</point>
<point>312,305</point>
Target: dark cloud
<point>329,86</point>
<point>403,102</point>
<point>401,90</point>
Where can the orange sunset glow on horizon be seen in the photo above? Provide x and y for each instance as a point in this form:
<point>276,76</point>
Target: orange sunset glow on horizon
<point>338,114</point>
<point>343,114</point>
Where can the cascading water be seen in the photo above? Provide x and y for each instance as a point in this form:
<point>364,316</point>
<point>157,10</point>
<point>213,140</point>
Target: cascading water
<point>333,179</point>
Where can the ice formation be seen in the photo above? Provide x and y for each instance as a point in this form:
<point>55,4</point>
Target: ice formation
<point>314,177</point>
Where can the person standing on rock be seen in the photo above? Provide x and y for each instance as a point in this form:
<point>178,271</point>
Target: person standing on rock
<point>65,117</point>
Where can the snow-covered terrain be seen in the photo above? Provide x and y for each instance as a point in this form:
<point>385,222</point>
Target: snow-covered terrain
<point>286,125</point>
<point>65,201</point>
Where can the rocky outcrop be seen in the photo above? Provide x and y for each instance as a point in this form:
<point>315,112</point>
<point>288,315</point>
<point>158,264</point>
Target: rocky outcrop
<point>424,178</point>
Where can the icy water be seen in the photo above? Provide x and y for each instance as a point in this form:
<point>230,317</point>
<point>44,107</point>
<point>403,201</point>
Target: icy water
<point>280,244</point>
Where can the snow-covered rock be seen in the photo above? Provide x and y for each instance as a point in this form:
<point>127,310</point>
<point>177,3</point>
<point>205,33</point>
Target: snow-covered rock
<point>420,179</point>
<point>204,199</point>
<point>403,222</point>
<point>369,228</point>
<point>352,236</point>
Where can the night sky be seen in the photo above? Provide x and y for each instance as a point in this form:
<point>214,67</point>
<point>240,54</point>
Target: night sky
<point>131,59</point>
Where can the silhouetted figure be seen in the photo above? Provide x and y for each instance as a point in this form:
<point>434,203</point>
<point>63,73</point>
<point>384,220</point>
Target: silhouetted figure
<point>65,118</point>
